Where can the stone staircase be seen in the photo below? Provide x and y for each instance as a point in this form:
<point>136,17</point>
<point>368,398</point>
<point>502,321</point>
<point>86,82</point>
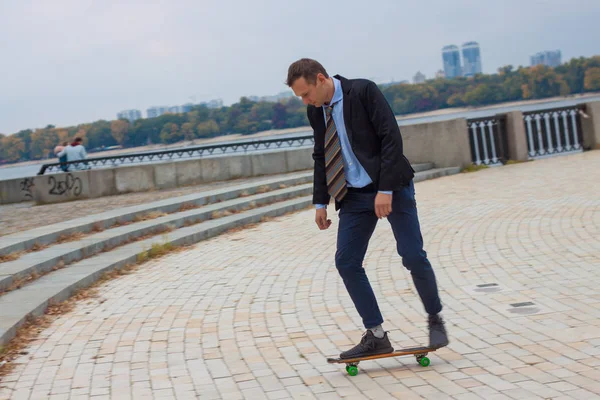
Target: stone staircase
<point>52,262</point>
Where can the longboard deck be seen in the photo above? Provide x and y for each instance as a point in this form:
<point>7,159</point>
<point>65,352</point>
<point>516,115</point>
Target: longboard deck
<point>402,352</point>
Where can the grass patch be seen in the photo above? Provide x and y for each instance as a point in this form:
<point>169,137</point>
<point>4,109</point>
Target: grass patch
<point>474,168</point>
<point>159,249</point>
<point>156,250</point>
<point>510,162</point>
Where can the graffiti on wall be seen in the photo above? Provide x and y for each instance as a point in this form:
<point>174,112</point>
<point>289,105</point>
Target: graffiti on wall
<point>26,185</point>
<point>69,185</point>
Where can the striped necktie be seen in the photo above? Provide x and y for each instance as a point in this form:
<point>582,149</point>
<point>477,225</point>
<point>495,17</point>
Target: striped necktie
<point>334,163</point>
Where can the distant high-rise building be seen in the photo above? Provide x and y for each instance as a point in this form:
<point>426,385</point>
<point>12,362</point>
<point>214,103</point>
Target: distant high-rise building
<point>187,107</point>
<point>451,58</point>
<point>180,109</point>
<point>547,58</point>
<point>471,59</point>
<point>281,96</point>
<point>392,83</point>
<point>154,112</point>
<point>216,103</point>
<point>419,77</point>
<point>130,115</point>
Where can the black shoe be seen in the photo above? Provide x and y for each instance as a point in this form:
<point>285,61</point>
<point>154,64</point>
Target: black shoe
<point>369,346</point>
<point>437,332</point>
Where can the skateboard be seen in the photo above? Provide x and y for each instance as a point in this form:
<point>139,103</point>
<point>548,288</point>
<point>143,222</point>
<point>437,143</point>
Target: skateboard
<point>352,363</point>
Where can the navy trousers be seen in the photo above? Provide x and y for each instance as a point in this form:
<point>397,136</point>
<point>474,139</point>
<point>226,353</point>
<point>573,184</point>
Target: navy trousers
<point>356,226</point>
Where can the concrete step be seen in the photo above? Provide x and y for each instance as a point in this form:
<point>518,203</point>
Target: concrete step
<point>46,259</point>
<point>435,173</point>
<point>33,299</point>
<point>422,167</point>
<point>45,235</point>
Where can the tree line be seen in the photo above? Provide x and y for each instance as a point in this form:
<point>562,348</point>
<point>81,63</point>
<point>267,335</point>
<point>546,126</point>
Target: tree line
<point>579,75</point>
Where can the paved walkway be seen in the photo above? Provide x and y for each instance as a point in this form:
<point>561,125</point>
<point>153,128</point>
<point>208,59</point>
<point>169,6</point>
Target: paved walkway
<point>254,314</point>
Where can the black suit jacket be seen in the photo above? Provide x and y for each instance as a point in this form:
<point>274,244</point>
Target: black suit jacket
<point>373,134</point>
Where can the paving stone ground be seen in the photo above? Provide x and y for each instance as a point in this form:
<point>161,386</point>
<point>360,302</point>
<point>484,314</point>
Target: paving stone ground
<point>254,314</point>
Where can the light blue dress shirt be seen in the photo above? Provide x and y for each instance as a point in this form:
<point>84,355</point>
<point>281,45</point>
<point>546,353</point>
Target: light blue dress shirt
<point>356,175</point>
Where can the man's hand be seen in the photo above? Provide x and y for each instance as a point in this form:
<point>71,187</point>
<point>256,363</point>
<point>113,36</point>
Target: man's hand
<point>383,205</point>
<point>321,219</point>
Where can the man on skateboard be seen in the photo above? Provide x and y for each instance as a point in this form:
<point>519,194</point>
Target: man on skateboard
<point>359,162</point>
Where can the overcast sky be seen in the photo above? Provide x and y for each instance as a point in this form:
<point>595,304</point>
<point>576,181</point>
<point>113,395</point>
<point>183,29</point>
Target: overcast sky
<point>65,62</point>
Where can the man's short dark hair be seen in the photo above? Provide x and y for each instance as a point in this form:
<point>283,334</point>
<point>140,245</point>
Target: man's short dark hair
<point>78,140</point>
<point>305,68</point>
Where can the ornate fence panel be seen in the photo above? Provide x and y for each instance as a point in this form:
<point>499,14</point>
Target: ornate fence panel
<point>553,132</point>
<point>488,140</point>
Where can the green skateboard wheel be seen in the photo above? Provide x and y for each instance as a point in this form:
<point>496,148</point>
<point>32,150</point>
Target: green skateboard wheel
<point>352,370</point>
<point>424,361</point>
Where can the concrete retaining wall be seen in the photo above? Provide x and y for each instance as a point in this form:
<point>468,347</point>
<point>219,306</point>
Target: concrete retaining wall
<point>56,188</point>
<point>591,126</point>
<point>516,137</point>
<point>16,190</point>
<point>444,143</point>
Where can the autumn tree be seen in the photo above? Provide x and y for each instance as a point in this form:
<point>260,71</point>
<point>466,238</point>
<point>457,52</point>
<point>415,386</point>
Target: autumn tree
<point>119,129</point>
<point>170,133</point>
<point>208,128</point>
<point>592,79</point>
<point>13,148</point>
<point>187,130</point>
<point>43,142</point>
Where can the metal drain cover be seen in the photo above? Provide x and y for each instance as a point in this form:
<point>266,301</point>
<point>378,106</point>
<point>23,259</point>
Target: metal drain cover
<point>483,288</point>
<point>523,304</point>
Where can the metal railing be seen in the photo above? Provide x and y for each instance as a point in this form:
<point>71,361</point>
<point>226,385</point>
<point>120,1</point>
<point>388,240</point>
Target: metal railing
<point>183,153</point>
<point>487,137</point>
<point>554,131</point>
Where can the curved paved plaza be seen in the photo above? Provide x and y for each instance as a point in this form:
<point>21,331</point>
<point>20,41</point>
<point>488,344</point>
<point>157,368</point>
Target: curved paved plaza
<point>253,314</point>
